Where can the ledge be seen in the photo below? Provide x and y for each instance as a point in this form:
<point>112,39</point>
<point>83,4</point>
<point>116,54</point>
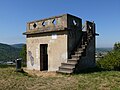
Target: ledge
<point>44,30</point>
<point>55,23</point>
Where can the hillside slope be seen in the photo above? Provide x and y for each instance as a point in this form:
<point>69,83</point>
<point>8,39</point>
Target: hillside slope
<point>8,53</point>
<point>18,45</point>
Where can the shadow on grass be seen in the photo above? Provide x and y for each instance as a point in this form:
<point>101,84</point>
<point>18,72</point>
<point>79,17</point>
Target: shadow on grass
<point>91,70</point>
<point>21,71</point>
<point>87,71</point>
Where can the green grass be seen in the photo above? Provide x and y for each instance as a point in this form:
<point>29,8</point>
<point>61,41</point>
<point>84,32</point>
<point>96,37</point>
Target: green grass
<point>105,80</point>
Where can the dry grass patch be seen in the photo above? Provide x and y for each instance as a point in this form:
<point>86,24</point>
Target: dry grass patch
<point>11,80</point>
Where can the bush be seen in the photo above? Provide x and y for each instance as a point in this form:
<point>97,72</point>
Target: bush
<point>111,61</point>
<point>23,55</point>
<point>117,46</point>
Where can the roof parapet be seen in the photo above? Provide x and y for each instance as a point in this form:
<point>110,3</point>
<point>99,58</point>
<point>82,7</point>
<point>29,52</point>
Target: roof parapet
<point>54,23</point>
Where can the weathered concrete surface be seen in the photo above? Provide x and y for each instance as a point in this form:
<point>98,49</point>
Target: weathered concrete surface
<point>57,49</point>
<point>56,23</point>
<point>73,39</point>
<point>55,32</point>
<point>62,34</point>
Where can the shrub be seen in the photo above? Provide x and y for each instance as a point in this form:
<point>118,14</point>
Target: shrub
<point>23,55</point>
<point>117,46</point>
<point>111,61</point>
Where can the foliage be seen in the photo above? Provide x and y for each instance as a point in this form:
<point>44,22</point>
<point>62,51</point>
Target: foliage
<point>23,54</point>
<point>111,61</point>
<point>8,53</point>
<point>117,46</point>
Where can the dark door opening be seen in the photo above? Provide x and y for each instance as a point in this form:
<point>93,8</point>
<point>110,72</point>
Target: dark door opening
<point>43,57</point>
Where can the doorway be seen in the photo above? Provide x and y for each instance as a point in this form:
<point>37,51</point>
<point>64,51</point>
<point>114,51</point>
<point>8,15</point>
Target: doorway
<point>43,57</point>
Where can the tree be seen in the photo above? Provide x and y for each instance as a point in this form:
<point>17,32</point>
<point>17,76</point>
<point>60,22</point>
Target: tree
<point>23,54</point>
<point>117,46</point>
<point>111,61</point>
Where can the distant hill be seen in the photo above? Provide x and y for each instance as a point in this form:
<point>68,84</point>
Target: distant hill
<point>11,52</point>
<point>17,45</point>
<point>99,50</point>
<point>8,52</point>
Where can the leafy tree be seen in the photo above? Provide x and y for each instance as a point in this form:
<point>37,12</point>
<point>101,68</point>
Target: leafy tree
<point>111,61</point>
<point>23,54</point>
<point>117,46</point>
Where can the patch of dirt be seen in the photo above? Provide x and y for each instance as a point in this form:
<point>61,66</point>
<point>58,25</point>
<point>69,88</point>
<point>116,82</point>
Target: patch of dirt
<point>42,73</point>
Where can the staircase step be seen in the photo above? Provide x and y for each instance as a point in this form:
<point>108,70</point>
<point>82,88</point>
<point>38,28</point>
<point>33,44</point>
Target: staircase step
<point>75,59</point>
<point>66,68</point>
<point>69,64</point>
<point>64,71</point>
<point>90,35</point>
<point>80,49</point>
<point>85,42</point>
<point>72,60</point>
<point>89,38</point>
<point>76,56</point>
<point>83,47</point>
<point>78,52</point>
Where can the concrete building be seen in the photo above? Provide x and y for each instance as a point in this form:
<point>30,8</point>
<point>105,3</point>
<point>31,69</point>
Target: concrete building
<point>61,44</point>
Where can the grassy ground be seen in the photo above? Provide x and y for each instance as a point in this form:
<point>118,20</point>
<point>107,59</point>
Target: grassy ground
<point>105,80</point>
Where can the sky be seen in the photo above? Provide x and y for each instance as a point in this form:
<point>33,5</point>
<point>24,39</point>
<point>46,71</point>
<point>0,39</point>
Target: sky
<point>14,14</point>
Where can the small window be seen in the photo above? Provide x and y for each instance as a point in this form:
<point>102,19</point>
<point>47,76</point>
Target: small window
<point>54,22</point>
<point>44,23</point>
<point>34,25</point>
<point>74,22</point>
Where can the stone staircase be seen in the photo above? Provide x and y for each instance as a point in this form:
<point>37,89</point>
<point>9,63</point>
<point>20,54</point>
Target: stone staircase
<point>71,64</point>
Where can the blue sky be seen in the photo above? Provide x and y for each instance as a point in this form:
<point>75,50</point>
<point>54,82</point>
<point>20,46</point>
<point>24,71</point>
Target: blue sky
<point>14,14</point>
